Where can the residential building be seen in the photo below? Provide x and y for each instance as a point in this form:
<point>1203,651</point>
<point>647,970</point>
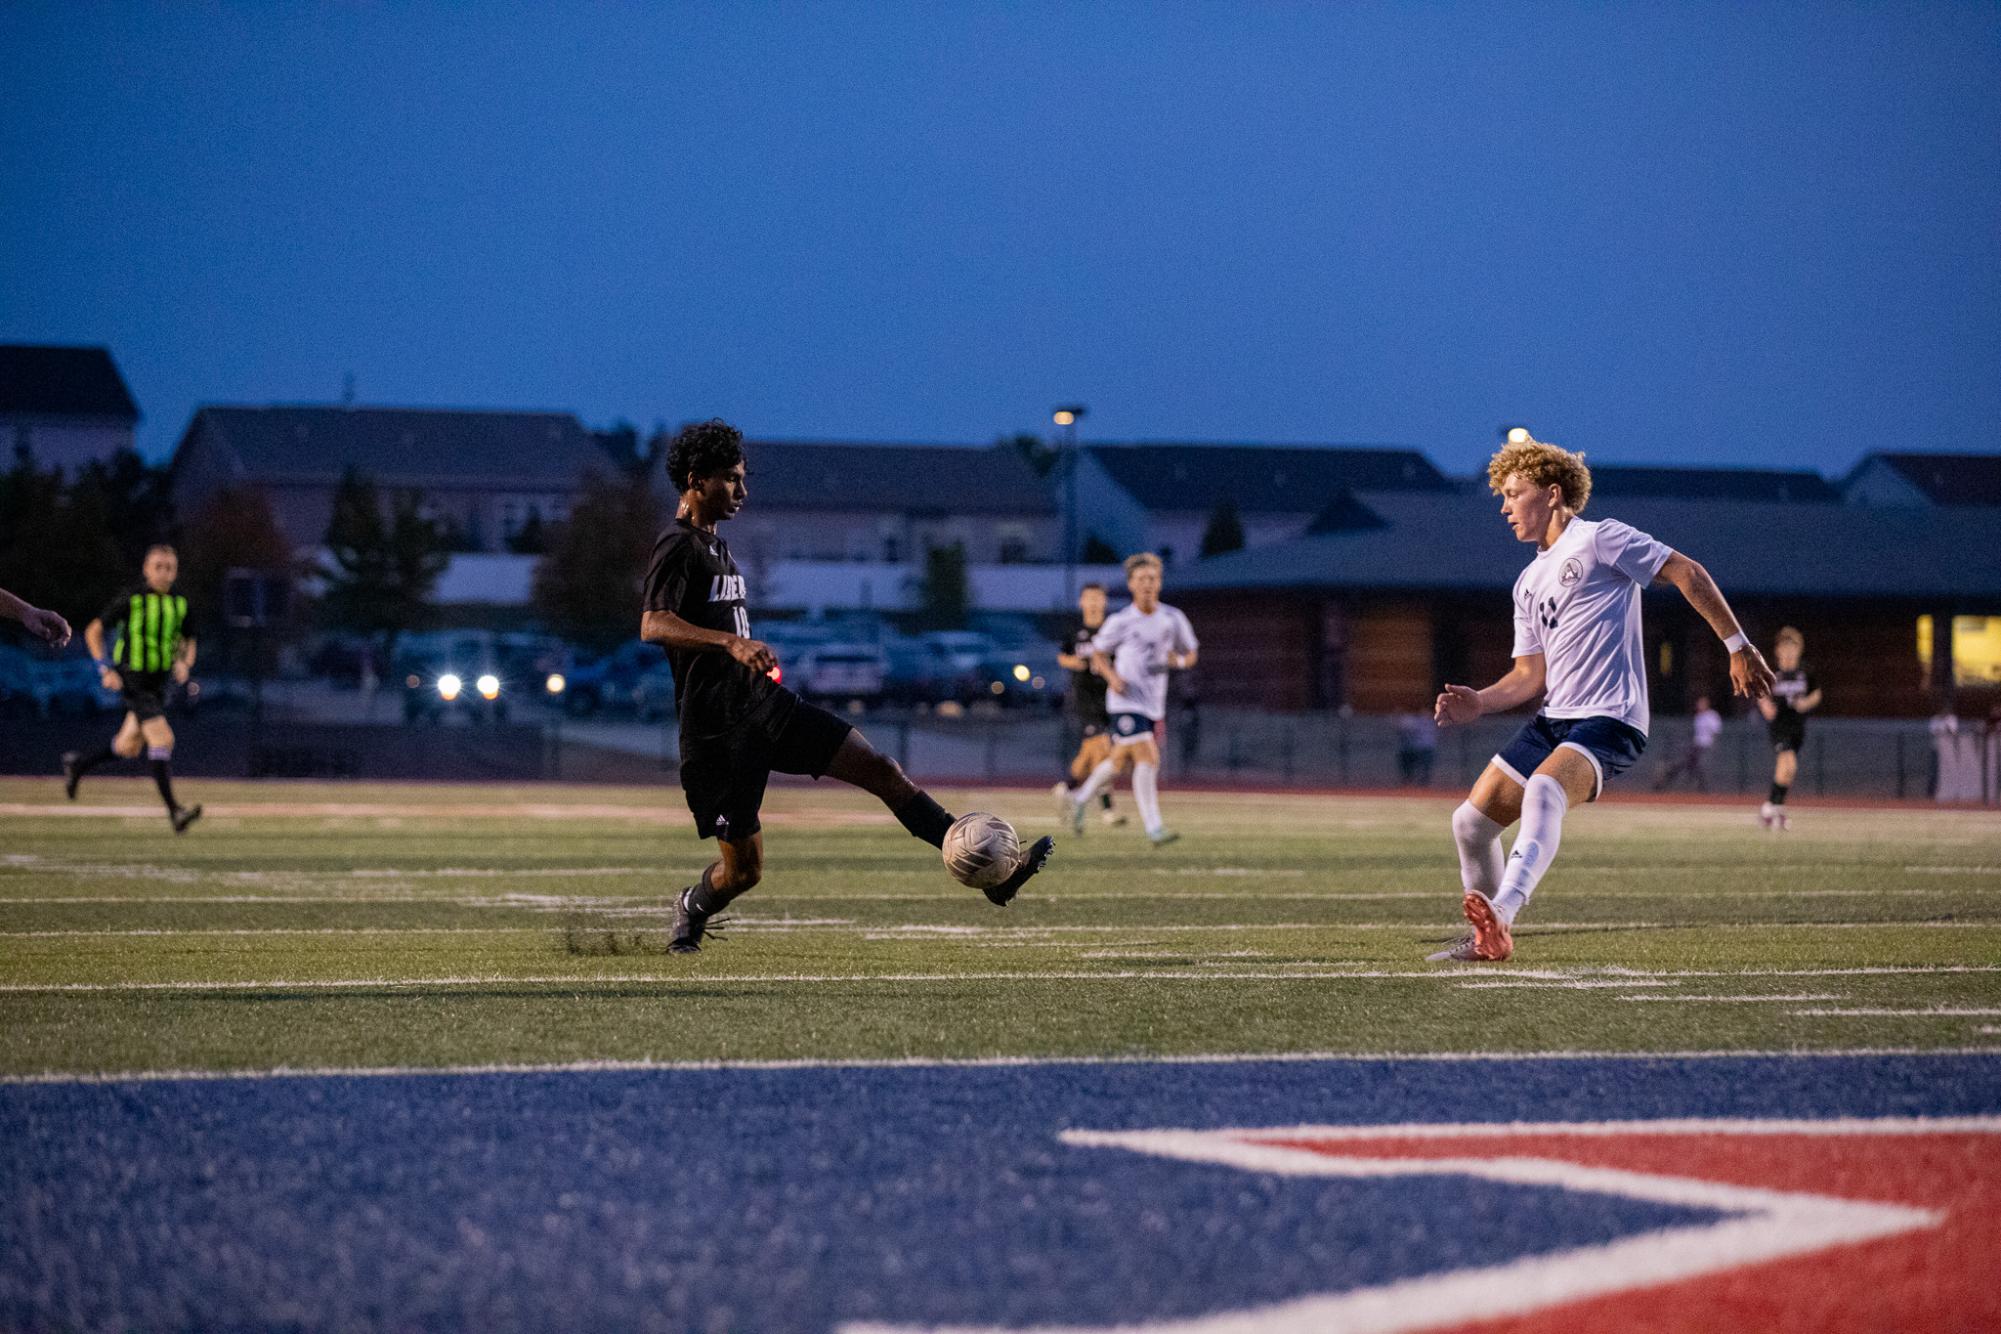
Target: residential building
<point>62,407</point>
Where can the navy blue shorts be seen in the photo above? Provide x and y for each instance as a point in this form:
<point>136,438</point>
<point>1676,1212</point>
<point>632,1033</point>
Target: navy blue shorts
<point>1609,744</point>
<point>1131,728</point>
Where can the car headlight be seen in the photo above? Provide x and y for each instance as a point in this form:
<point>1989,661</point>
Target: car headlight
<point>489,686</point>
<point>449,685</point>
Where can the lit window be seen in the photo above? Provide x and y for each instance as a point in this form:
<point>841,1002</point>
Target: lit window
<point>1976,649</point>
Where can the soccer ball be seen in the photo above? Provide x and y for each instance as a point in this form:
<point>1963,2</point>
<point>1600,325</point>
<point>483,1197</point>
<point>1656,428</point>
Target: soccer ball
<point>981,850</point>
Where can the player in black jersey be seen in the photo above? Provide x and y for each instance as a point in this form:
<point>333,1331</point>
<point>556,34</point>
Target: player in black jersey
<point>153,652</point>
<point>1087,703</point>
<point>738,725</point>
<point>1794,695</point>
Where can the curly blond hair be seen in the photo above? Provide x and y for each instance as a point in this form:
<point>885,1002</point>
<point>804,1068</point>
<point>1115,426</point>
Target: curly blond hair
<point>1543,464</point>
<point>1145,560</point>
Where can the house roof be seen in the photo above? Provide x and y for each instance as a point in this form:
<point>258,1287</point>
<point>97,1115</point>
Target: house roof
<point>1260,479</point>
<point>402,446</point>
<point>938,479</point>
<point>1946,479</point>
<point>1622,481</point>
<point>1458,541</point>
<point>63,382</point>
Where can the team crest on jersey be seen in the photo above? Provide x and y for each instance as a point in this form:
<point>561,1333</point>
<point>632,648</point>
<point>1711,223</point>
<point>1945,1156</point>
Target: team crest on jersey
<point>726,588</point>
<point>1573,570</point>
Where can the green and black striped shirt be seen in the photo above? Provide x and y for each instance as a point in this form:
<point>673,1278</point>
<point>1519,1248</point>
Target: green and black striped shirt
<point>148,626</point>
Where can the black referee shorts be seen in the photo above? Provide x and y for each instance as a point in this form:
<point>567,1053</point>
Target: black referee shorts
<point>724,776</point>
<point>144,693</point>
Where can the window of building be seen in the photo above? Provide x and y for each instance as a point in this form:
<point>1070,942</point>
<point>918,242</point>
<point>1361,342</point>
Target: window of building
<point>1976,649</point>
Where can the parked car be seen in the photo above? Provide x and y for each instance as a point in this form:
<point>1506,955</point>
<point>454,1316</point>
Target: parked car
<point>840,672</point>
<point>453,673</point>
<point>35,684</point>
<point>1023,677</point>
<point>607,684</point>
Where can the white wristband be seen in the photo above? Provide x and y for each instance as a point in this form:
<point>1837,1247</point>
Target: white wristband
<point>1736,642</point>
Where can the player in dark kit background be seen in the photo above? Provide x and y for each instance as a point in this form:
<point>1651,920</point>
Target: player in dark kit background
<point>1794,695</point>
<point>153,652</point>
<point>738,726</point>
<point>1087,702</point>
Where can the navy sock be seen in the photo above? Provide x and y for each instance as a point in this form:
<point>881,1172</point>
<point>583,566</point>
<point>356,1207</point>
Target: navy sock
<point>925,819</point>
<point>102,755</point>
<point>1779,790</point>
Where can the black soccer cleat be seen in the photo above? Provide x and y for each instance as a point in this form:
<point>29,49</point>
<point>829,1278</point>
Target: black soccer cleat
<point>72,774</point>
<point>183,816</point>
<point>691,924</point>
<point>1032,861</point>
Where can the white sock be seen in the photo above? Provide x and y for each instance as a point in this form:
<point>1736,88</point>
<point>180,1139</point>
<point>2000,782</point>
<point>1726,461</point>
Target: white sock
<point>1146,791</point>
<point>1479,840</point>
<point>1099,777</point>
<point>1543,805</point>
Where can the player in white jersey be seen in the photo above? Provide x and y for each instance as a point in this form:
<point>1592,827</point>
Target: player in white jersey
<point>1577,643</point>
<point>1133,651</point>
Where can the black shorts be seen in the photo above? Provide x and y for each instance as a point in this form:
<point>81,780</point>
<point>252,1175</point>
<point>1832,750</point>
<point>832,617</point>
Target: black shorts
<point>145,694</point>
<point>724,776</point>
<point>1788,732</point>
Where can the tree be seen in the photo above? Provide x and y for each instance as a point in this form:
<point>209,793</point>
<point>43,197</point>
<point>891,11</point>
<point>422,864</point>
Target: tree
<point>1225,531</point>
<point>945,592</point>
<point>587,587</point>
<point>57,548</point>
<point>531,538</point>
<point>138,502</point>
<point>234,529</point>
<point>384,566</point>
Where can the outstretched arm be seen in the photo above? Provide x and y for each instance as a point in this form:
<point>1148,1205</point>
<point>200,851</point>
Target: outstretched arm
<point>1749,675</point>
<point>1462,704</point>
<point>43,624</point>
<point>670,631</point>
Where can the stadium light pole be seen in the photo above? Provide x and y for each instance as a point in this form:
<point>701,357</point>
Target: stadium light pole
<point>1067,417</point>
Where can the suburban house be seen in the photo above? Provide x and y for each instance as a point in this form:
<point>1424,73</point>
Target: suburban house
<point>484,475</point>
<point>1399,591</point>
<point>1924,480</point>
<point>62,407</point>
<point>1162,497</point>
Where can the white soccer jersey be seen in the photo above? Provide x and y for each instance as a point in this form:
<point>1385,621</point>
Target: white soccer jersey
<point>1138,645</point>
<point>1578,604</point>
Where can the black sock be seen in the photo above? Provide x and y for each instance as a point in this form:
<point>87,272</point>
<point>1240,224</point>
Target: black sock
<point>163,779</point>
<point>102,755</point>
<point>703,897</point>
<point>1778,797</point>
<point>925,819</point>
<point>1105,798</point>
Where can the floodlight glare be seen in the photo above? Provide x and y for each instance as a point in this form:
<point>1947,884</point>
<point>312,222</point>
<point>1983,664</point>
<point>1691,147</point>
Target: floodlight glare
<point>555,685</point>
<point>449,685</point>
<point>1518,435</point>
<point>1064,417</point>
<point>489,686</point>
<point>1021,672</point>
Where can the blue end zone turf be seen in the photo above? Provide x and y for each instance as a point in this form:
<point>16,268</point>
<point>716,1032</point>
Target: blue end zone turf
<point>796,1199</point>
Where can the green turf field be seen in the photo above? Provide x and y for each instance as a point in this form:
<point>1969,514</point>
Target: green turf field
<point>343,925</point>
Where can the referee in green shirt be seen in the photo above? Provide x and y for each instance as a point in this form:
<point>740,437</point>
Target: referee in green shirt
<point>153,649</point>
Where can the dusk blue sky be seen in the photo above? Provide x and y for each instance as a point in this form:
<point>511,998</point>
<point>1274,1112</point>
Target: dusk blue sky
<point>1762,233</point>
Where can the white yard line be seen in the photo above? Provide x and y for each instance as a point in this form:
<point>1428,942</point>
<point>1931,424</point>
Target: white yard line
<point>1932,1012</point>
<point>648,1064</point>
<point>1733,1000</point>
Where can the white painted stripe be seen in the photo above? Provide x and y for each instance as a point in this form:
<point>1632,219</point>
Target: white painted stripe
<point>1733,1000</point>
<point>974,1063</point>
<point>1673,1125</point>
<point>1303,972</point>
<point>1934,1012</point>
<point>1758,1226</point>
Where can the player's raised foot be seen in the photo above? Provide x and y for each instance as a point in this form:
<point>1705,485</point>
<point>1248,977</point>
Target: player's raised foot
<point>183,816</point>
<point>72,775</point>
<point>1032,862</point>
<point>1160,838</point>
<point>692,925</point>
<point>1492,942</point>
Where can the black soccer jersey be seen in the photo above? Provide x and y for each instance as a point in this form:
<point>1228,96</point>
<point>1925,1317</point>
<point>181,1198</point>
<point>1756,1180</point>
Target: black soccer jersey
<point>1087,688</point>
<point>693,576</point>
<point>1789,687</point>
<point>148,628</point>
